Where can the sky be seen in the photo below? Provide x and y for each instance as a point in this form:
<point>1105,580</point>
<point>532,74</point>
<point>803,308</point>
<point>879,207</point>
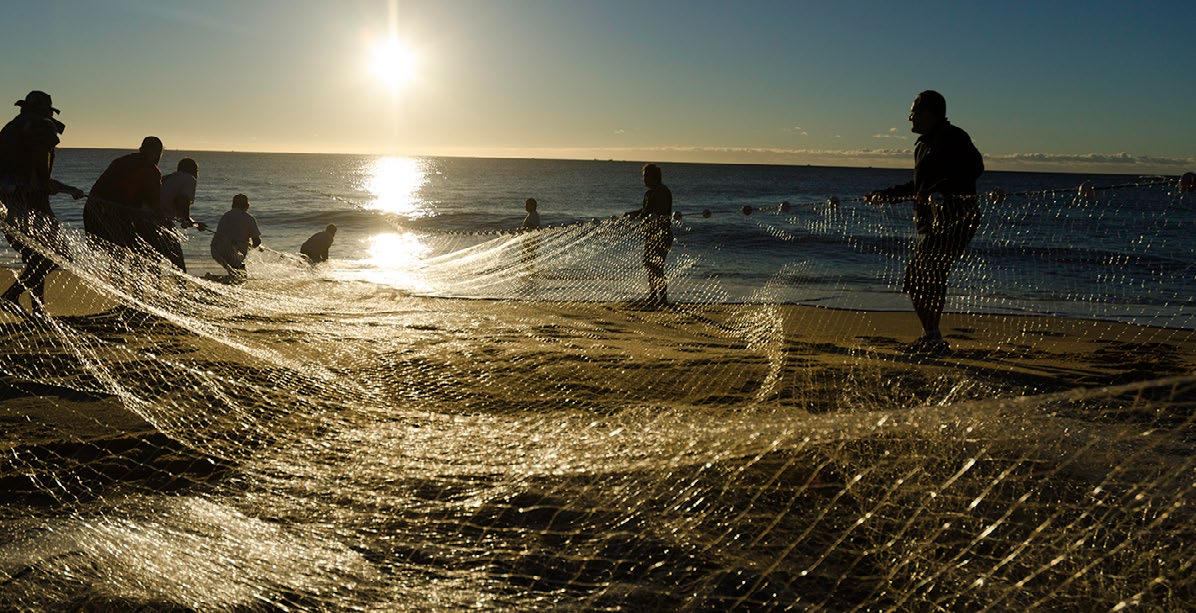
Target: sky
<point>1064,86</point>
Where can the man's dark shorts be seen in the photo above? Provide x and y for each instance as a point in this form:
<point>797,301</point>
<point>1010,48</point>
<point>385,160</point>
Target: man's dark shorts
<point>658,239</point>
<point>936,253</point>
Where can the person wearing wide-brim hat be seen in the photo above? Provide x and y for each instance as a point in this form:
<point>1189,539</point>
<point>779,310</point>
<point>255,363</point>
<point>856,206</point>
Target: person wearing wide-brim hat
<point>27,148</point>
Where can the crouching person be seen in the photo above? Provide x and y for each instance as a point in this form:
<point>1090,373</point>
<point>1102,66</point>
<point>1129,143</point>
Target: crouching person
<point>235,235</point>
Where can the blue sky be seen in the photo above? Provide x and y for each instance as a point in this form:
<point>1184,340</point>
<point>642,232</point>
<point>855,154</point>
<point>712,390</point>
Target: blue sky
<point>1086,86</point>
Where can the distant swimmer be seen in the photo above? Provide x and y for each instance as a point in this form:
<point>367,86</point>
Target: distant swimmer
<point>656,219</point>
<point>315,249</point>
<point>178,194</point>
<point>124,206</point>
<point>27,148</point>
<point>236,233</point>
<point>946,211</point>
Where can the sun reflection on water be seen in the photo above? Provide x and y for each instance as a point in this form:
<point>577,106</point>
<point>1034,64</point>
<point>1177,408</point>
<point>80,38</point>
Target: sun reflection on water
<point>396,259</point>
<point>394,184</point>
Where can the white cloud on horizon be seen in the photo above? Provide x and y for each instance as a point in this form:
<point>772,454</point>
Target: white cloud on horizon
<point>892,133</point>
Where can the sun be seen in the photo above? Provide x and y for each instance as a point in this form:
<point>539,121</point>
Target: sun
<point>393,63</point>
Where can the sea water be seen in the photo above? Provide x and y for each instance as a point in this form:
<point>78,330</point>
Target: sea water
<point>427,225</point>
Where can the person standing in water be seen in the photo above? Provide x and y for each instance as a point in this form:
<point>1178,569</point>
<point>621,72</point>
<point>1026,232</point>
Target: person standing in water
<point>178,194</point>
<point>236,233</point>
<point>124,206</point>
<point>946,211</point>
<point>532,220</point>
<point>531,242</point>
<point>656,219</point>
<point>315,248</point>
<point>27,148</point>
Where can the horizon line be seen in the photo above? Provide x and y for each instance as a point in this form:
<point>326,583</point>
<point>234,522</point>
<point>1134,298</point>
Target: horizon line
<point>885,159</point>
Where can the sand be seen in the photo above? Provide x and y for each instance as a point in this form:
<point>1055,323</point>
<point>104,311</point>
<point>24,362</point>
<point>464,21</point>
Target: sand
<point>783,356</point>
<point>594,455</point>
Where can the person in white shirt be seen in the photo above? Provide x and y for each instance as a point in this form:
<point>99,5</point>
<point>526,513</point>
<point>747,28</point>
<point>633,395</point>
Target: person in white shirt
<point>178,193</point>
<point>236,233</point>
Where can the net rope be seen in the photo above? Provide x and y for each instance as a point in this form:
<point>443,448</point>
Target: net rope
<point>500,428</point>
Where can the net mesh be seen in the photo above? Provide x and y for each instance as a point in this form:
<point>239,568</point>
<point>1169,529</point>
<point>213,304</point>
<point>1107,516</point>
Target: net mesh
<point>300,443</point>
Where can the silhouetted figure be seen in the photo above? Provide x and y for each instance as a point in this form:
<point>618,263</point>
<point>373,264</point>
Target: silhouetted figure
<point>236,233</point>
<point>946,210</point>
<point>177,196</point>
<point>315,248</point>
<point>532,220</point>
<point>124,206</point>
<point>656,220</point>
<point>531,223</point>
<point>27,148</point>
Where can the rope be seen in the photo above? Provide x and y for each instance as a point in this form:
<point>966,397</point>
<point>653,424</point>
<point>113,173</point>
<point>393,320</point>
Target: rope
<point>995,196</point>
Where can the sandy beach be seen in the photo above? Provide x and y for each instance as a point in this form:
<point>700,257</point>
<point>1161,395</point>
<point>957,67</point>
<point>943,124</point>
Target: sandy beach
<point>780,356</point>
<point>600,455</point>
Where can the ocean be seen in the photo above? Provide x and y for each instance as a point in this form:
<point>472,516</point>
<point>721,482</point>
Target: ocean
<point>451,414</point>
<point>1125,255</point>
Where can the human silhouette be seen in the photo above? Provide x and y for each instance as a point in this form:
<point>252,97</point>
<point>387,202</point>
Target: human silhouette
<point>531,242</point>
<point>656,222</point>
<point>236,233</point>
<point>124,206</point>
<point>532,220</point>
<point>177,196</point>
<point>27,148</point>
<point>315,248</point>
<point>946,211</point>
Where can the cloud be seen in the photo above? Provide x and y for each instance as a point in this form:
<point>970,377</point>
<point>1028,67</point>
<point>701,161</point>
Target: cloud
<point>892,133</point>
<point>1092,162</point>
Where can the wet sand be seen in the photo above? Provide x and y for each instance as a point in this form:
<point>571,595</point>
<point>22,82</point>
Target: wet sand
<point>597,454</point>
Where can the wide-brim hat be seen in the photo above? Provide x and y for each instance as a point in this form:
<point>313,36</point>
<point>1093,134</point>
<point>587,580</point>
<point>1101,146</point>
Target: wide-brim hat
<point>37,100</point>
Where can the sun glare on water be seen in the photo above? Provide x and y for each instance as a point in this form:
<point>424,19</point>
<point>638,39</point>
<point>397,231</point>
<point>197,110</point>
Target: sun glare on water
<point>394,183</point>
<point>396,259</point>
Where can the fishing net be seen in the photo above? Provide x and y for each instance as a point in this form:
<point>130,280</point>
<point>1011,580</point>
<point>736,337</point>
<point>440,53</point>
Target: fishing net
<point>498,423</point>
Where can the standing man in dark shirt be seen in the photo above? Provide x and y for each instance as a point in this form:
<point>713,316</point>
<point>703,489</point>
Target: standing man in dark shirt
<point>27,147</point>
<point>656,218</point>
<point>124,204</point>
<point>946,211</point>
